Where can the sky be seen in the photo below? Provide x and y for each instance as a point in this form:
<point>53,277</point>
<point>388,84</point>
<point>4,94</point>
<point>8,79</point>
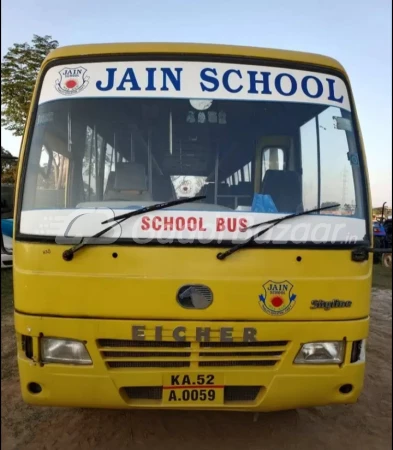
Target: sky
<point>358,33</point>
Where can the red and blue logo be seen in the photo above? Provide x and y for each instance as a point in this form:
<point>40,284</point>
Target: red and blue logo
<point>72,80</point>
<point>278,298</point>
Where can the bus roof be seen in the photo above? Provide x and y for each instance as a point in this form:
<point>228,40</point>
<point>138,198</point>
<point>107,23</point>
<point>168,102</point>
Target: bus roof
<point>192,48</point>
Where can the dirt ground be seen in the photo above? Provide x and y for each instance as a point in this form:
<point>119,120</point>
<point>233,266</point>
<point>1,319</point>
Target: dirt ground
<point>365,425</point>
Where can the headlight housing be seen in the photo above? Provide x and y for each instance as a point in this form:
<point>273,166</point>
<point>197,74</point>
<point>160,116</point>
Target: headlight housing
<point>321,353</point>
<point>64,351</point>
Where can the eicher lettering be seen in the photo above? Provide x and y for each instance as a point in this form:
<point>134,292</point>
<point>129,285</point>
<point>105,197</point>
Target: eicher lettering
<point>262,83</point>
<point>200,334</point>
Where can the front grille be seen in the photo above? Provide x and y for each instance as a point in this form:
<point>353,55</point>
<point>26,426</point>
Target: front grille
<point>234,354</point>
<point>241,393</point>
<point>231,393</point>
<point>147,364</point>
<point>146,354</point>
<point>246,354</point>
<point>243,344</point>
<point>131,354</point>
<point>144,393</point>
<point>130,343</point>
<point>245,363</point>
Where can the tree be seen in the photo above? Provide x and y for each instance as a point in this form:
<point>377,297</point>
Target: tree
<point>19,70</point>
<point>335,208</point>
<point>348,209</point>
<point>9,167</point>
<point>6,158</point>
<point>378,211</point>
<point>331,210</point>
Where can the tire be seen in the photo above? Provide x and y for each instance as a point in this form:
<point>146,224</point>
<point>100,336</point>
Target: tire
<point>377,258</point>
<point>387,260</point>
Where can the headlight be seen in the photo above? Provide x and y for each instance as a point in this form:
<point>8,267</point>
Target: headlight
<point>64,351</point>
<point>321,353</point>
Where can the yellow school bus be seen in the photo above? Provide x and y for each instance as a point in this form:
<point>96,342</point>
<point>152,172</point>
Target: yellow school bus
<point>191,230</point>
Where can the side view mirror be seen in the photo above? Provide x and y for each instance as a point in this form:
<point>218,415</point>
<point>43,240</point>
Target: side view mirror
<point>4,250</point>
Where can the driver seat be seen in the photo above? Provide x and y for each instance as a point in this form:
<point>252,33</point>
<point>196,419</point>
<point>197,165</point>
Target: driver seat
<point>130,183</point>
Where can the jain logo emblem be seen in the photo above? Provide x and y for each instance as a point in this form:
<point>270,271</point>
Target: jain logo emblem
<point>277,298</point>
<point>72,80</point>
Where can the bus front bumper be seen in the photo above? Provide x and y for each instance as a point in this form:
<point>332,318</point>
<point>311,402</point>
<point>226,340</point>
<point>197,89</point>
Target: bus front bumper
<point>125,374</point>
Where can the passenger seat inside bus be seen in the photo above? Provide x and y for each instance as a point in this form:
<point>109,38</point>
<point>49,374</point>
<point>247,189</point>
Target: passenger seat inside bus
<point>162,188</point>
<point>130,183</point>
<point>223,189</point>
<point>284,187</point>
<point>245,192</point>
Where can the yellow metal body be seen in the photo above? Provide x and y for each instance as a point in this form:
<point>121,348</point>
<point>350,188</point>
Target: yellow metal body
<point>98,297</point>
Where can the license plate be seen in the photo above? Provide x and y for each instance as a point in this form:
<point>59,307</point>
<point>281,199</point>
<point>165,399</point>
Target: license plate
<point>193,389</point>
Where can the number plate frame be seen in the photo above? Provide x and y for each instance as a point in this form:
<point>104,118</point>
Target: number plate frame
<point>193,389</point>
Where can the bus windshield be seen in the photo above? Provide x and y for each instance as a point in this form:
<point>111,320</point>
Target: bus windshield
<point>253,158</point>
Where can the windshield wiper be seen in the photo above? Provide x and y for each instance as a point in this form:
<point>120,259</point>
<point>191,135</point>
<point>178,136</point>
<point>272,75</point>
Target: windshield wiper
<point>222,255</point>
<point>69,254</point>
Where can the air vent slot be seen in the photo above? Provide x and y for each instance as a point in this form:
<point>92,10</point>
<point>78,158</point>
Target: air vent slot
<point>241,393</point>
<point>27,346</point>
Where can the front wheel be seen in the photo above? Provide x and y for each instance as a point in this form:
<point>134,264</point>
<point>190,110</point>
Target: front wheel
<point>387,260</point>
<point>377,259</point>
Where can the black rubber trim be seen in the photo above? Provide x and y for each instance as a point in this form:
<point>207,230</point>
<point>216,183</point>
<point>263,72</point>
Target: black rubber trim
<point>177,319</point>
<point>25,238</point>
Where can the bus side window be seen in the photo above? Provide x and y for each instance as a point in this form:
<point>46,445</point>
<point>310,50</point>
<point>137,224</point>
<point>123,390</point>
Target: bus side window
<point>98,163</point>
<point>339,178</point>
<point>308,140</point>
<point>52,175</point>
